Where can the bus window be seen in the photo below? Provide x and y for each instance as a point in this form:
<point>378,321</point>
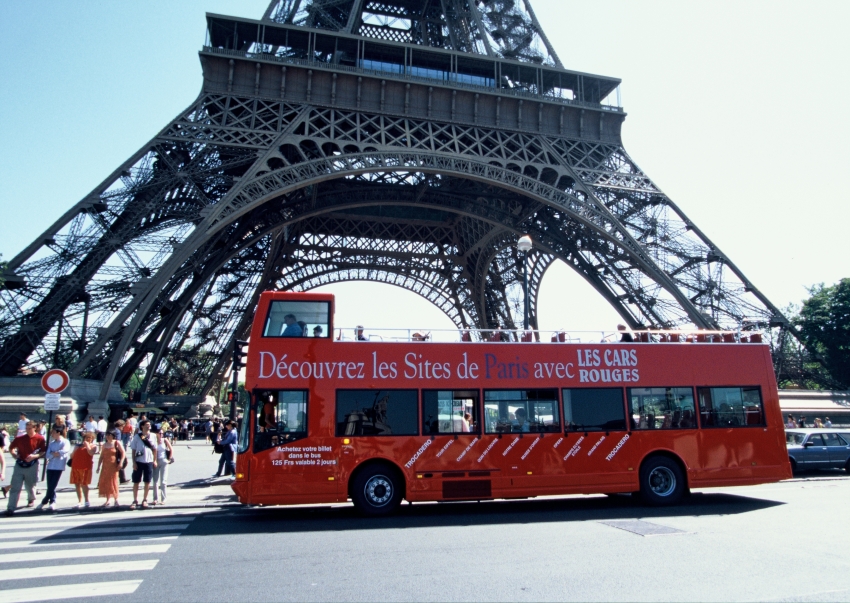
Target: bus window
<point>281,418</point>
<point>518,411</point>
<point>374,412</point>
<point>662,408</point>
<point>730,406</point>
<point>594,409</point>
<point>298,319</point>
<point>449,412</point>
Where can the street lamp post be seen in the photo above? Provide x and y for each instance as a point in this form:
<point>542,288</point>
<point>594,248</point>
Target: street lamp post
<point>524,245</point>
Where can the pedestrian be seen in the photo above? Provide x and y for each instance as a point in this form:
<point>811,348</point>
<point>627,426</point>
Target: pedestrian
<point>58,453</point>
<point>26,450</point>
<point>827,422</point>
<point>82,463</point>
<point>112,456</point>
<point>128,428</point>
<point>208,431</point>
<point>71,429</point>
<point>101,429</point>
<point>144,462</point>
<point>228,447</point>
<point>802,421</point>
<point>90,425</point>
<point>791,423</point>
<point>164,456</point>
<point>818,423</point>
<point>22,426</point>
<point>6,439</point>
<point>3,443</point>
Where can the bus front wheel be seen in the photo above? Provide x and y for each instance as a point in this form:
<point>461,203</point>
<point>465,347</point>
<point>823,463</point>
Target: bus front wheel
<point>377,491</point>
<point>661,481</point>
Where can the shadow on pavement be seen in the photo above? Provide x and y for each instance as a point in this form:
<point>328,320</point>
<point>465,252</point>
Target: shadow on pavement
<point>266,520</point>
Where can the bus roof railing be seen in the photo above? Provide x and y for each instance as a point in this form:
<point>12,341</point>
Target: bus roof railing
<point>550,336</point>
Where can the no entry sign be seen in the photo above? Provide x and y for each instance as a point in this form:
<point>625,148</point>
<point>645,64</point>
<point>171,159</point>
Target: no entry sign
<point>55,381</point>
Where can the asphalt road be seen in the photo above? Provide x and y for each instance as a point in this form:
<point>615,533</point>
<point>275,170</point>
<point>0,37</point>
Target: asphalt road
<point>779,542</point>
<point>783,542</point>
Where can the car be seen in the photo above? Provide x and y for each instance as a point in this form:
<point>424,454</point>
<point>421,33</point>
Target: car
<point>818,449</point>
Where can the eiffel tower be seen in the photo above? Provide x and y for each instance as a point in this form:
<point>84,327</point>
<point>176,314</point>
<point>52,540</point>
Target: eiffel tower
<point>408,142</point>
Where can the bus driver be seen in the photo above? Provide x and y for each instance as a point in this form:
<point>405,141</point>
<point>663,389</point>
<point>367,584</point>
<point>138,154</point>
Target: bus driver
<point>293,329</point>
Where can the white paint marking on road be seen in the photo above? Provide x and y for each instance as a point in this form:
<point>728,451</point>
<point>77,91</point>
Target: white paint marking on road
<point>85,533</point>
<point>25,544</point>
<point>77,570</point>
<point>116,551</point>
<point>69,591</point>
<point>49,522</point>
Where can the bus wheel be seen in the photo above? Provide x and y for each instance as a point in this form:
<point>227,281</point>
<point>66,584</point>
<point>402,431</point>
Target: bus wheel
<point>377,491</point>
<point>661,481</point>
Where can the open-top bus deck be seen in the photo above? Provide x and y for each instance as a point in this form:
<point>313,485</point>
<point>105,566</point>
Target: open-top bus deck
<point>381,421</point>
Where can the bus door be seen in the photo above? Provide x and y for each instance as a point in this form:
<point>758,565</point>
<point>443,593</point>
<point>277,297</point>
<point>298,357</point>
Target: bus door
<point>286,464</point>
<point>735,442</point>
<point>451,468</point>
<point>597,449</point>
<point>521,430</point>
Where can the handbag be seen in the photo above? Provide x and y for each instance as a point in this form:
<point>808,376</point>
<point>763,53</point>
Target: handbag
<point>218,449</point>
<point>71,458</point>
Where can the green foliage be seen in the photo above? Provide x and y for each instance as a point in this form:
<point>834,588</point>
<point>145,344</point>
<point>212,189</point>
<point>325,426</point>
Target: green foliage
<point>824,324</point>
<point>134,383</point>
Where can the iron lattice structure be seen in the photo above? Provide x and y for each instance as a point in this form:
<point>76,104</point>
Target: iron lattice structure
<point>404,141</point>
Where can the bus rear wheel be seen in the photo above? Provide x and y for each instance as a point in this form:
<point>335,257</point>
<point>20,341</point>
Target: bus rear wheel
<point>377,491</point>
<point>661,481</point>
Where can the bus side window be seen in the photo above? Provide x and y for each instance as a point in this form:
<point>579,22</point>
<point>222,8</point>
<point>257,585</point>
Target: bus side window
<point>281,418</point>
<point>372,412</point>
<point>594,409</point>
<point>662,407</point>
<point>521,411</point>
<point>730,407</point>
<point>450,412</point>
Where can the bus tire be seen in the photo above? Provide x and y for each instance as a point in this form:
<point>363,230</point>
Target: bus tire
<point>661,481</point>
<point>377,491</point>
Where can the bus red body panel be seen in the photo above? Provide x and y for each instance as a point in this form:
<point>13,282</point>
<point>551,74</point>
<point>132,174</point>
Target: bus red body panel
<point>544,418</point>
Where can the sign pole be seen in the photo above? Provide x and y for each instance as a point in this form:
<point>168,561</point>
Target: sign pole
<point>49,431</point>
<point>53,382</point>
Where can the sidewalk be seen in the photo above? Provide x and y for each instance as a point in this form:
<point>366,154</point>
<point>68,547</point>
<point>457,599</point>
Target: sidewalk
<point>191,484</point>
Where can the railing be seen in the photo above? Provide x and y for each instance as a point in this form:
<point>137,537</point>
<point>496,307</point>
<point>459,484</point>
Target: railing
<point>655,336</point>
<point>264,56</point>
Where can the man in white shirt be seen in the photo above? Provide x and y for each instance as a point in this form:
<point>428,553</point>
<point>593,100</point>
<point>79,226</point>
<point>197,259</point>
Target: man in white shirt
<point>22,426</point>
<point>90,425</point>
<point>101,429</point>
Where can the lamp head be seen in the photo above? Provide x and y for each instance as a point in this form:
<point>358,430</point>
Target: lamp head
<point>524,244</point>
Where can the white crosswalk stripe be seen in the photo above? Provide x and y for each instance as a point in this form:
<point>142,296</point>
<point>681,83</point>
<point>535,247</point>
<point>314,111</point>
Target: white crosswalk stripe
<point>52,558</point>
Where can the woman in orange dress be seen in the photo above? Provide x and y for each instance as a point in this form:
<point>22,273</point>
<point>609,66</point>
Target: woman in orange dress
<point>81,468</point>
<point>111,457</point>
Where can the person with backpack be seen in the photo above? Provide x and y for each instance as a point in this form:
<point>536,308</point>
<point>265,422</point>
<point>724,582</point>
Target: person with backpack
<point>144,461</point>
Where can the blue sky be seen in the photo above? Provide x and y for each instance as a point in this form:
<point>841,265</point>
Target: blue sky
<point>736,110</point>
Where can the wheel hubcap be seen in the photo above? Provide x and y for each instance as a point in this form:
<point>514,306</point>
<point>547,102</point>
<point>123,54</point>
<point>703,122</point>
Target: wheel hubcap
<point>379,490</point>
<point>662,481</point>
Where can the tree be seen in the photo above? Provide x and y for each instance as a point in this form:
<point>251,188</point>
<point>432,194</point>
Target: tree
<point>824,325</point>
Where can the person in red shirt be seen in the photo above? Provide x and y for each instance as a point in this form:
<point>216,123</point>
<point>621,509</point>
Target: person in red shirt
<point>26,450</point>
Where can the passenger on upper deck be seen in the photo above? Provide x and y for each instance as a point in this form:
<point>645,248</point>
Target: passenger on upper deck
<point>303,326</point>
<point>625,336</point>
<point>358,333</point>
<point>317,331</point>
<point>292,328</point>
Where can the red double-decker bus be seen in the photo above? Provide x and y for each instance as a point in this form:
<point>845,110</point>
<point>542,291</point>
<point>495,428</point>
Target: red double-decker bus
<point>378,421</point>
